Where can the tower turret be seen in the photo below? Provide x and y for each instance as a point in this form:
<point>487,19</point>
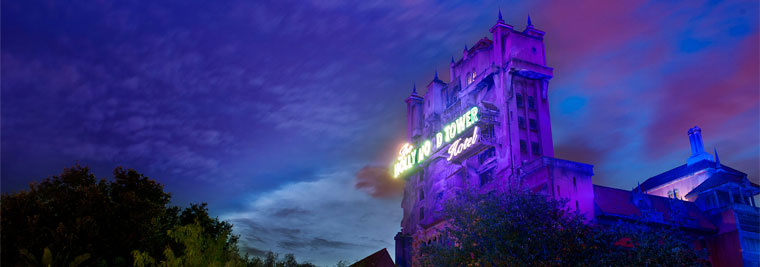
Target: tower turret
<point>499,33</point>
<point>413,115</point>
<point>433,96</point>
<point>452,75</point>
<point>530,30</point>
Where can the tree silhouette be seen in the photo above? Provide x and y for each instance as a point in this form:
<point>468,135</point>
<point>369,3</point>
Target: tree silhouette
<point>521,228</point>
<point>75,219</point>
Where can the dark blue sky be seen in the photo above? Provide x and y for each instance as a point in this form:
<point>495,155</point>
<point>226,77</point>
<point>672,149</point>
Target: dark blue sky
<point>281,114</point>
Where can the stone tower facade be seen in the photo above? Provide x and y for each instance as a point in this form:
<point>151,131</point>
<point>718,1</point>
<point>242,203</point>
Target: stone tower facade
<point>487,128</point>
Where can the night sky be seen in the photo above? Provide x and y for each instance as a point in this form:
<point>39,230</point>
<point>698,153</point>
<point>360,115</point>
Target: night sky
<point>284,115</point>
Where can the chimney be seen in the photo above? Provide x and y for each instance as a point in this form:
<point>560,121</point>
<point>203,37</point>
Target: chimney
<point>691,142</point>
<point>697,147</point>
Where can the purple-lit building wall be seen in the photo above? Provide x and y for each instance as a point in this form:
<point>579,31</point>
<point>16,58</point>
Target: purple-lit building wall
<point>506,78</point>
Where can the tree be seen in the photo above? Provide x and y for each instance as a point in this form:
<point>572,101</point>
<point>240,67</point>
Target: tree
<point>74,214</point>
<point>200,249</point>
<point>521,228</point>
<point>75,219</point>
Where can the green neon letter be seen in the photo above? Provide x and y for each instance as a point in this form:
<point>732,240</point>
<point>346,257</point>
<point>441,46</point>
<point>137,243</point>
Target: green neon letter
<point>438,140</point>
<point>474,114</point>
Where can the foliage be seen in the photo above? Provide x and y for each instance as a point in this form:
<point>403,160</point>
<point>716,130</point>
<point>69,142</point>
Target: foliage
<point>638,243</point>
<point>521,228</point>
<point>47,259</point>
<point>200,249</point>
<point>73,214</point>
<point>74,219</point>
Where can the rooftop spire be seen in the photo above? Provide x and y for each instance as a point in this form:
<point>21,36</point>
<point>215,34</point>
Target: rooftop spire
<point>414,89</point>
<point>436,75</point>
<point>452,59</point>
<point>717,160</point>
<point>530,24</point>
<point>500,19</point>
<point>465,47</point>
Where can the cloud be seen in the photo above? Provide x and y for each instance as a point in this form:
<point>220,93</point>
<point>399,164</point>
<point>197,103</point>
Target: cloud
<point>707,96</point>
<point>251,97</point>
<point>285,212</point>
<point>254,251</point>
<point>322,220</point>
<point>316,244</point>
<point>648,71</point>
<point>377,182</point>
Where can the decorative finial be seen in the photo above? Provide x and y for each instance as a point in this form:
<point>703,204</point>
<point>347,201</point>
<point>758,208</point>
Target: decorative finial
<point>500,19</point>
<point>436,75</point>
<point>717,160</point>
<point>640,187</point>
<point>414,88</point>
<point>452,59</point>
<point>465,47</point>
<point>529,23</point>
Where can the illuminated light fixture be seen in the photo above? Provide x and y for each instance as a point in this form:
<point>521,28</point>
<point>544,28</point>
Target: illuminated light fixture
<point>410,156</point>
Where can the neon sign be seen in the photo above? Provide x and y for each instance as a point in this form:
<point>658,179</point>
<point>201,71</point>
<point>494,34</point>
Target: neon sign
<point>457,147</point>
<point>410,156</point>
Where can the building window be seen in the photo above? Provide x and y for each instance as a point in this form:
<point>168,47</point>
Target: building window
<point>558,191</point>
<point>737,198</point>
<point>670,194</point>
<point>487,131</point>
<point>675,194</point>
<point>485,155</point>
<point>534,148</point>
<point>422,194</point>
<point>523,146</point>
<point>486,177</point>
<point>723,197</point>
<point>577,207</point>
<point>521,122</point>
<point>519,100</point>
<point>468,78</point>
<point>422,213</point>
<point>533,125</point>
<point>531,102</point>
<point>574,185</point>
<point>451,96</point>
